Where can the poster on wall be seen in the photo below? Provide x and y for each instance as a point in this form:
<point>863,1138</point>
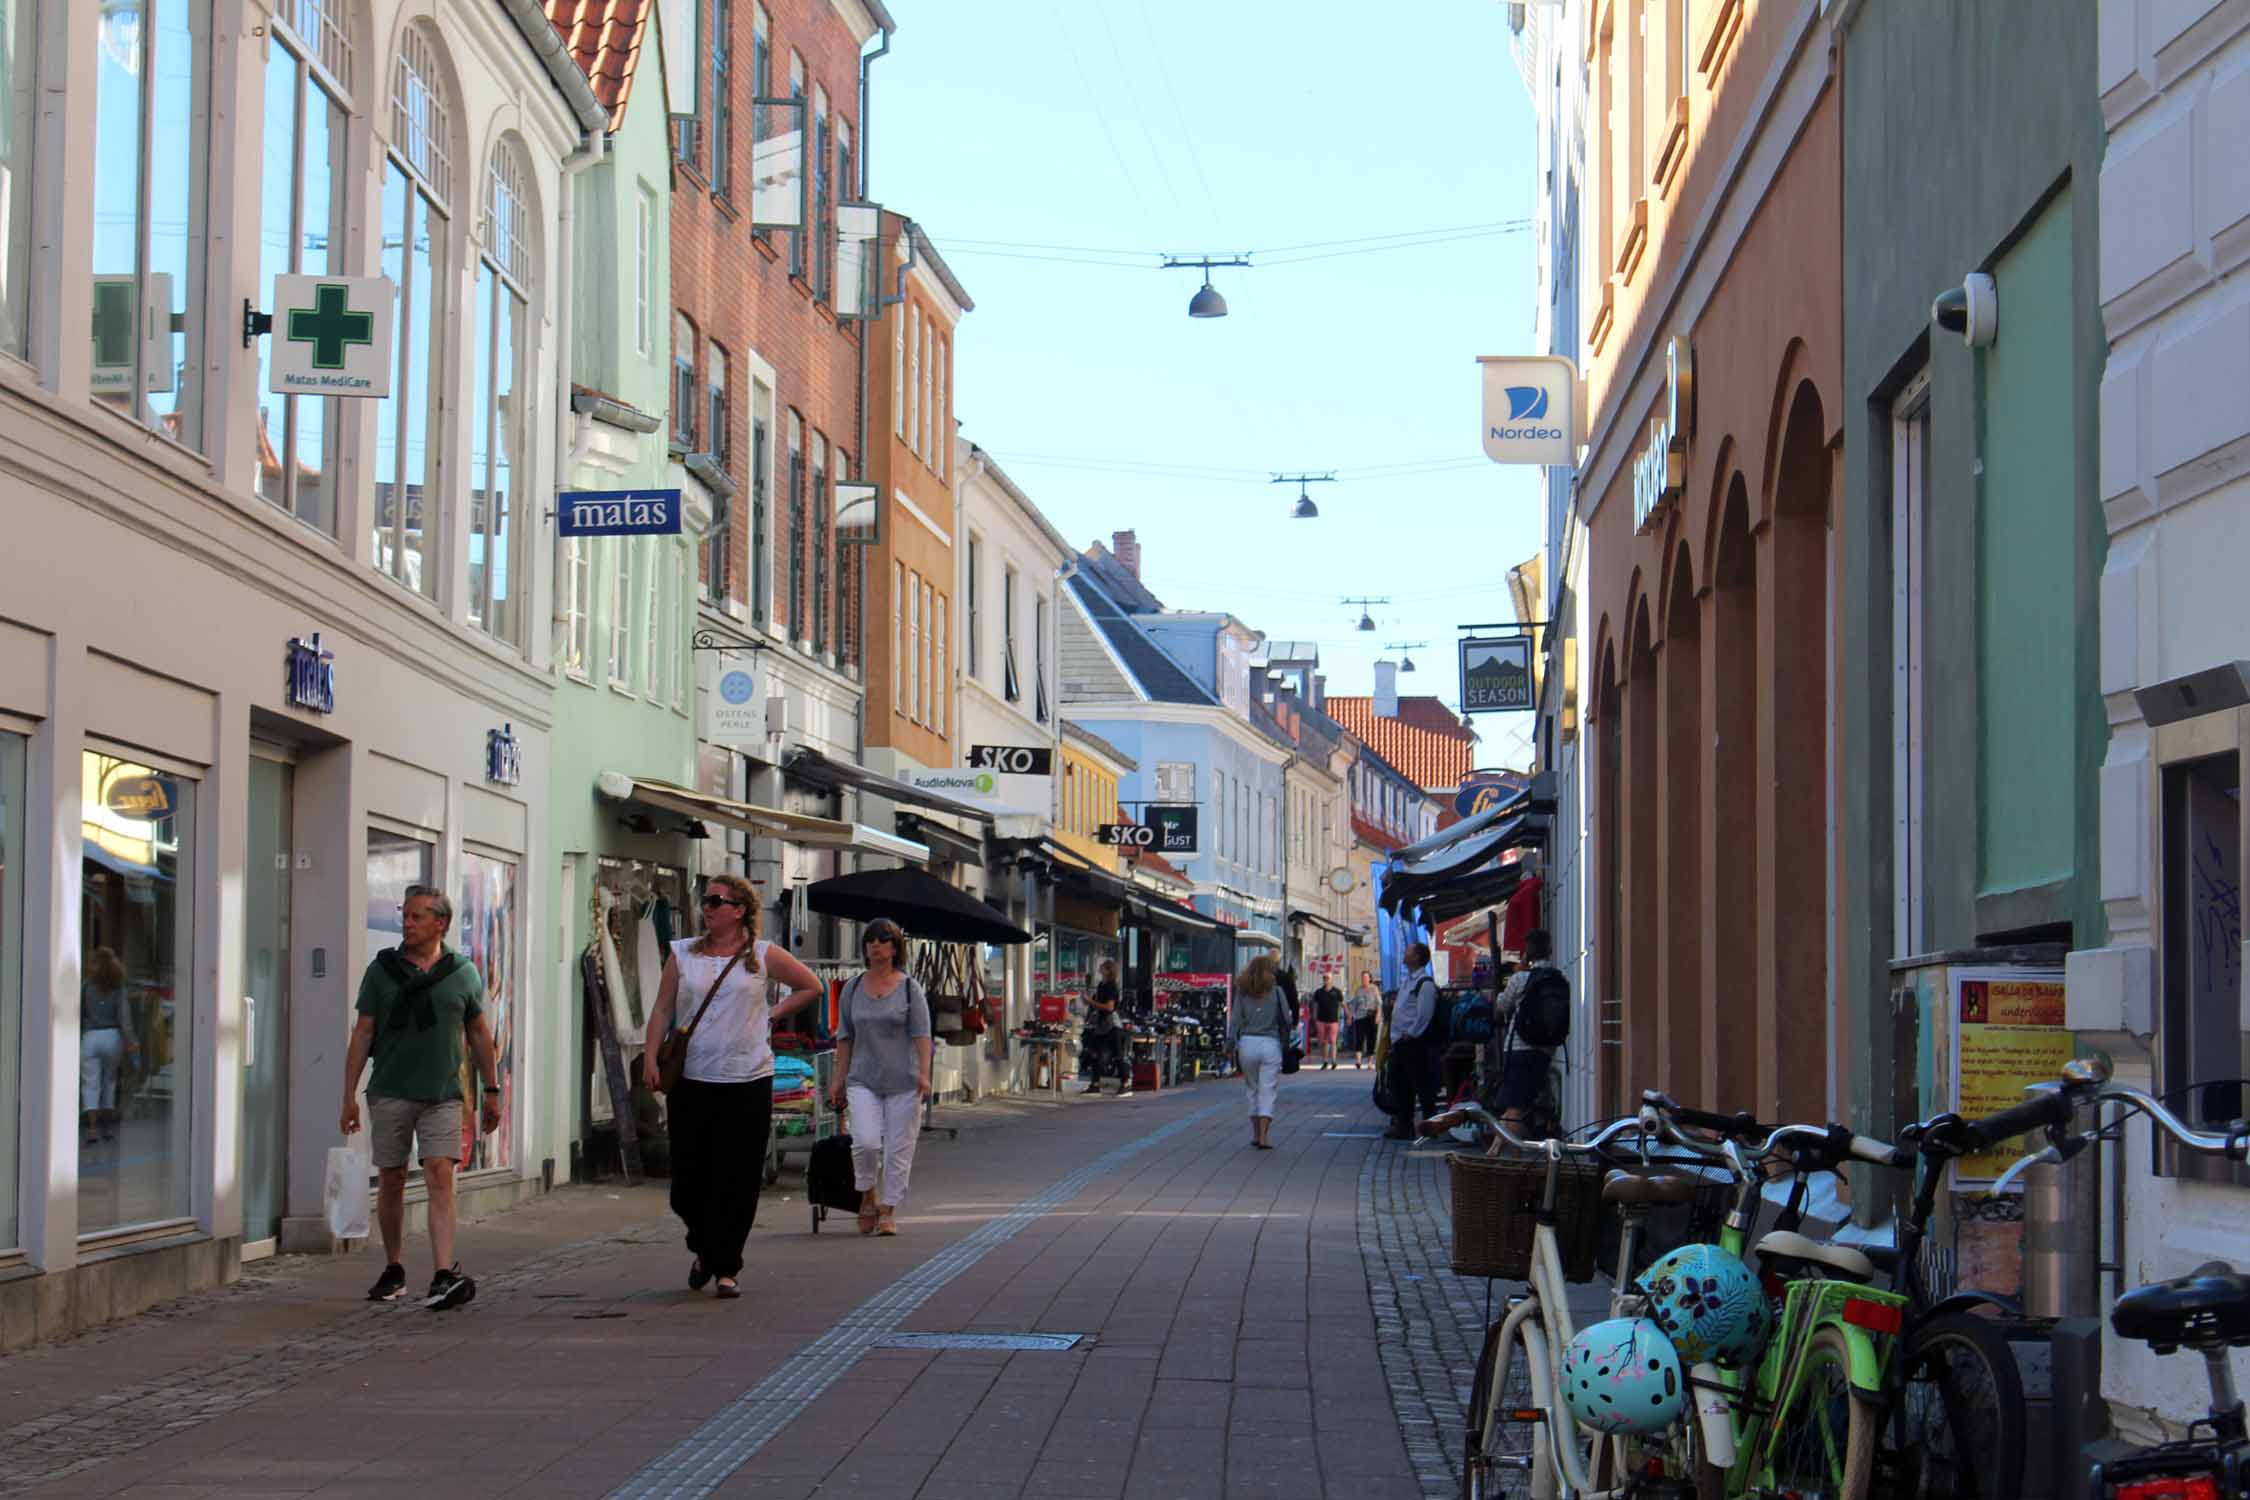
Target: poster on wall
<point>485,932</point>
<point>2008,1034</point>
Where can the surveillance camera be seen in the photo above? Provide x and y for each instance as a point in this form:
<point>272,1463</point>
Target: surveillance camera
<point>1971,309</point>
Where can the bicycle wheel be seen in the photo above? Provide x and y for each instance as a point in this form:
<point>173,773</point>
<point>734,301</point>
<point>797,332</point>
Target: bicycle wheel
<point>1823,1444</point>
<point>1960,1428</point>
<point>1503,1459</point>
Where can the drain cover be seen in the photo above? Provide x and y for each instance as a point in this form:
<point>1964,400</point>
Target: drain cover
<point>1012,1341</point>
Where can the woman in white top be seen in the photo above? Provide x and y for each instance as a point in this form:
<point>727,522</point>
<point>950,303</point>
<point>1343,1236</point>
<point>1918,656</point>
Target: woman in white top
<point>1257,1019</point>
<point>883,1073</point>
<point>722,1111</point>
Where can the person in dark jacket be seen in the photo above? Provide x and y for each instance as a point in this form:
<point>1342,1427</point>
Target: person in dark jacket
<point>1105,1035</point>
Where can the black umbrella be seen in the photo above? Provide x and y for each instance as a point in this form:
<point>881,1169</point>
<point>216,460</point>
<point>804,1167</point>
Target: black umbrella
<point>922,905</point>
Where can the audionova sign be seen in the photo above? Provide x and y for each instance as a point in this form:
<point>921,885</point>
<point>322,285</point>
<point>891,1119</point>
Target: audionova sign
<point>994,791</point>
<point>1530,409</point>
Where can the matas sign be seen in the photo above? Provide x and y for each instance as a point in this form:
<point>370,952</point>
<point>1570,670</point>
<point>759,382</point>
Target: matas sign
<point>617,513</point>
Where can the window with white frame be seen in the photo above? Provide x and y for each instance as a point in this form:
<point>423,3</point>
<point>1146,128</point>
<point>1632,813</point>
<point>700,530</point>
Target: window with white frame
<point>942,439</point>
<point>718,542</point>
<point>1219,810</point>
<point>416,233</point>
<point>796,537</point>
<point>822,504</point>
<point>914,646</point>
<point>1010,689</point>
<point>898,374</point>
<point>797,235</point>
<point>308,102</point>
<point>578,604</point>
<point>621,613</point>
<point>644,271</point>
<point>19,107</point>
<point>973,626</point>
<point>1175,781</point>
<point>1039,659</point>
<point>914,376</point>
<point>929,643</point>
<point>721,112</point>
<point>653,631</point>
<point>941,686</point>
<point>922,396</point>
<point>1910,451</point>
<point>898,638</point>
<point>761,482</point>
<point>684,399</point>
<point>152,117</point>
<point>499,418</point>
<point>675,639</point>
<point>820,145</point>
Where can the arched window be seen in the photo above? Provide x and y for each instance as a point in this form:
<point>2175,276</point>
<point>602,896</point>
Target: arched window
<point>500,418</point>
<point>417,230</point>
<point>310,78</point>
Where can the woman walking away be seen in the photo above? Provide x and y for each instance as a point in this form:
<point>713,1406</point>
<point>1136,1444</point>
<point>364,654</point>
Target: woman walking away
<point>105,1040</point>
<point>1360,1011</point>
<point>1255,1021</point>
<point>716,988</point>
<point>883,1073</point>
<point>1327,1016</point>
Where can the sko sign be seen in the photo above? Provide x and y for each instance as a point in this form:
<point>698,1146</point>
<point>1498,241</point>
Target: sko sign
<point>1530,409</point>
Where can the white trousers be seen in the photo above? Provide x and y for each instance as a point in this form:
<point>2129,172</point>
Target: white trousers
<point>884,1128</point>
<point>1261,1070</point>
<point>99,1053</point>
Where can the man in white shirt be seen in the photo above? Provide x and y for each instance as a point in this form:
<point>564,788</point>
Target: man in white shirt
<point>1414,1061</point>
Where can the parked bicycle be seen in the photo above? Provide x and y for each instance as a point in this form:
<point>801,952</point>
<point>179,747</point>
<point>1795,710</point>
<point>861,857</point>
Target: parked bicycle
<point>2206,1311</point>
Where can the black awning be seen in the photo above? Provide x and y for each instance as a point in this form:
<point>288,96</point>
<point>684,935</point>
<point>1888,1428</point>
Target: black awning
<point>1460,897</point>
<point>949,843</point>
<point>1468,854</point>
<point>823,770</point>
<point>1353,935</point>
<point>1166,913</point>
<point>922,904</point>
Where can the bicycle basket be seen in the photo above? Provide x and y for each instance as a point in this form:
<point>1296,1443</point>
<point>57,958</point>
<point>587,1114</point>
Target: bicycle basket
<point>1495,1204</point>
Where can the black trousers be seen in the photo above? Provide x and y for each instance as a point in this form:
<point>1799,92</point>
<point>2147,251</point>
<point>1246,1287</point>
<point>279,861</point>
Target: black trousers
<point>1106,1052</point>
<point>718,1133</point>
<point>1414,1079</point>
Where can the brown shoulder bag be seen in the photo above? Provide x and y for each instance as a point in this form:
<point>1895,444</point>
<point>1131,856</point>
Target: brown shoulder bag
<point>671,1053</point>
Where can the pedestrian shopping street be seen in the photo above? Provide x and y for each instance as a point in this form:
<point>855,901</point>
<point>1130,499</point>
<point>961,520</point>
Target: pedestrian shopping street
<point>1255,1323</point>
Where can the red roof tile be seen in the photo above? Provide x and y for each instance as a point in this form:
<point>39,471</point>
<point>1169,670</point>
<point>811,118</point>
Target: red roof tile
<point>1156,864</point>
<point>604,38</point>
<point>1425,742</point>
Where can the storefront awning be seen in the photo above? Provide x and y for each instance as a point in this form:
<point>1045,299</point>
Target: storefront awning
<point>1353,935</point>
<point>801,829</point>
<point>1466,854</point>
<point>1166,914</point>
<point>947,843</point>
<point>823,770</point>
<point>1467,827</point>
<point>1250,937</point>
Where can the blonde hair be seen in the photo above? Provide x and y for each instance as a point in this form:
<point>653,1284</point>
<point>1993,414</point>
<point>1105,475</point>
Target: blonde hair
<point>753,915</point>
<point>1261,976</point>
<point>105,968</point>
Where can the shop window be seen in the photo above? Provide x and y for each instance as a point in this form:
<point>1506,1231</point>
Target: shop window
<point>152,112</point>
<point>416,231</point>
<point>484,929</point>
<point>497,420</point>
<point>19,67</point>
<point>395,860</point>
<point>11,976</point>
<point>2203,1040</point>
<point>308,101</point>
<point>136,994</point>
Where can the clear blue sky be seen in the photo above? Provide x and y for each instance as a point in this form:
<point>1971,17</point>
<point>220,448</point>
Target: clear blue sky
<point>1217,126</point>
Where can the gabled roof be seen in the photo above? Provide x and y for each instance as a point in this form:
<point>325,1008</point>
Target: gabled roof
<point>1118,581</point>
<point>605,38</point>
<point>1163,679</point>
<point>1425,742</point>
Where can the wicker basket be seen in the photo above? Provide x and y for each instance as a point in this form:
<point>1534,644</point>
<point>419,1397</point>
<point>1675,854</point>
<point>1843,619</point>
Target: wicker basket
<point>1495,1201</point>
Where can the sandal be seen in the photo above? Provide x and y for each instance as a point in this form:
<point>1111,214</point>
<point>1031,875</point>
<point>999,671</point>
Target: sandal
<point>886,1225</point>
<point>727,1289</point>
<point>869,1213</point>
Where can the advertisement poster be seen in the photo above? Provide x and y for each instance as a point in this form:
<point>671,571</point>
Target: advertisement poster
<point>2009,1035</point>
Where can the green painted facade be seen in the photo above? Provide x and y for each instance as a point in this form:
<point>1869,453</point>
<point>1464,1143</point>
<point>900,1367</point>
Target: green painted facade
<point>624,697</point>
<point>1972,143</point>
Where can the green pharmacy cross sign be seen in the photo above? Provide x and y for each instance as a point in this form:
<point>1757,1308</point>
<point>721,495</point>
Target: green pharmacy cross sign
<point>329,325</point>
<point>331,335</point>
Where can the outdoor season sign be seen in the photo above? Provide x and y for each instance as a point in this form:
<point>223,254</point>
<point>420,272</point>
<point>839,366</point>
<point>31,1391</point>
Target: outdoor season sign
<point>331,335</point>
<point>1496,674</point>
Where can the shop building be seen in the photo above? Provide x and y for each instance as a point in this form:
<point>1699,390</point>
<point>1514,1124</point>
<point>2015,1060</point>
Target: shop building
<point>2164,994</point>
<point>269,658</point>
<point>1712,358</point>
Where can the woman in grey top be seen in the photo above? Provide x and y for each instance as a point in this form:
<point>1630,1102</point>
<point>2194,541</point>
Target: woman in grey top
<point>883,1073</point>
<point>105,1040</point>
<point>1254,1025</point>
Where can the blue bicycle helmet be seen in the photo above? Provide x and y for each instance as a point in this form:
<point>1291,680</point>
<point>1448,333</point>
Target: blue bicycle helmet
<point>1623,1376</point>
<point>1708,1304</point>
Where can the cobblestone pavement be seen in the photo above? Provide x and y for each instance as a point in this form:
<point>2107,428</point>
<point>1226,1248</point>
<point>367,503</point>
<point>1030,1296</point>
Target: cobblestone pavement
<point>1430,1322</point>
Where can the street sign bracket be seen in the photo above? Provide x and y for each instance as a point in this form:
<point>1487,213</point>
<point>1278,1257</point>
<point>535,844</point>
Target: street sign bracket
<point>255,324</point>
<point>706,639</point>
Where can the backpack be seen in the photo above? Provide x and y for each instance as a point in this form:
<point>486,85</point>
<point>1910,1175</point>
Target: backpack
<point>1542,1016</point>
<point>828,1175</point>
<point>1471,1020</point>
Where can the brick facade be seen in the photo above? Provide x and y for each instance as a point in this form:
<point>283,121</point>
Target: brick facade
<point>753,299</point>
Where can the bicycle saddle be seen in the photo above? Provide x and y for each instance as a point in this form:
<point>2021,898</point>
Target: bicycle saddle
<point>1632,1188</point>
<point>1786,1244</point>
<point>2205,1308</point>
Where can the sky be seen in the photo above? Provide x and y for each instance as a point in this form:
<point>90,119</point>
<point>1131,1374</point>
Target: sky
<point>1214,127</point>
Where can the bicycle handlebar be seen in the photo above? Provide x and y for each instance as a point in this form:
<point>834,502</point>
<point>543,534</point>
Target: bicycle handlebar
<point>1834,1141</point>
<point>2233,1143</point>
<point>1466,1113</point>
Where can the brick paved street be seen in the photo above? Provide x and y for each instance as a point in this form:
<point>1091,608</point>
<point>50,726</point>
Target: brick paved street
<point>1259,1323</point>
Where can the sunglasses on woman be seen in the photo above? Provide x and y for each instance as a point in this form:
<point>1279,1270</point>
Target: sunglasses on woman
<point>711,901</point>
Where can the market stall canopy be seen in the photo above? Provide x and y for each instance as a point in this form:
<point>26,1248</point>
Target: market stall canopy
<point>922,904</point>
<point>802,829</point>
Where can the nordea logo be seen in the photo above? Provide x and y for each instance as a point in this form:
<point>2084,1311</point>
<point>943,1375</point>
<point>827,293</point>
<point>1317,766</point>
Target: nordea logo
<point>1526,403</point>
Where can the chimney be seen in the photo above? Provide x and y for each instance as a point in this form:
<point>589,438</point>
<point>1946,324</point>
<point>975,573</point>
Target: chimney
<point>1126,547</point>
<point>1386,690</point>
<point>1320,690</point>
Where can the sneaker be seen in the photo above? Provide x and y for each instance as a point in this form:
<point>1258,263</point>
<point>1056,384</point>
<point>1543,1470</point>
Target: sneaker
<point>389,1285</point>
<point>449,1288</point>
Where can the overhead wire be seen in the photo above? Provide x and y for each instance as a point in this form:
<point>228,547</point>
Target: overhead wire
<point>1281,255</point>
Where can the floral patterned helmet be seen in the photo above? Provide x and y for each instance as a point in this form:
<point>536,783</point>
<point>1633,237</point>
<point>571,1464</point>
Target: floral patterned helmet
<point>1623,1376</point>
<point>1708,1304</point>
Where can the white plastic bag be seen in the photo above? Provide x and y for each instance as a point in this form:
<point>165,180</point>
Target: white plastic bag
<point>346,1193</point>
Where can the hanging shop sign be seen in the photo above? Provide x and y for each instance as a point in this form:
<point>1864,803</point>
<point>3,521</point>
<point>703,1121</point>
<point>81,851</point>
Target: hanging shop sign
<point>117,316</point>
<point>331,335</point>
<point>1126,835</point>
<point>993,791</point>
<point>1175,827</point>
<point>309,676</point>
<point>617,513</point>
<point>1496,674</point>
<point>503,756</point>
<point>1478,793</point>
<point>1013,760</point>
<point>1660,474</point>
<point>1530,409</point>
<point>733,713</point>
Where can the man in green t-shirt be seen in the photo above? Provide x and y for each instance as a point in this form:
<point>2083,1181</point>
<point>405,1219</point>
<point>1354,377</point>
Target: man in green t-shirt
<point>421,1006</point>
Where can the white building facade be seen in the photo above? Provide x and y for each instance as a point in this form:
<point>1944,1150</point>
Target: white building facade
<point>264,660</point>
<point>2165,997</point>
